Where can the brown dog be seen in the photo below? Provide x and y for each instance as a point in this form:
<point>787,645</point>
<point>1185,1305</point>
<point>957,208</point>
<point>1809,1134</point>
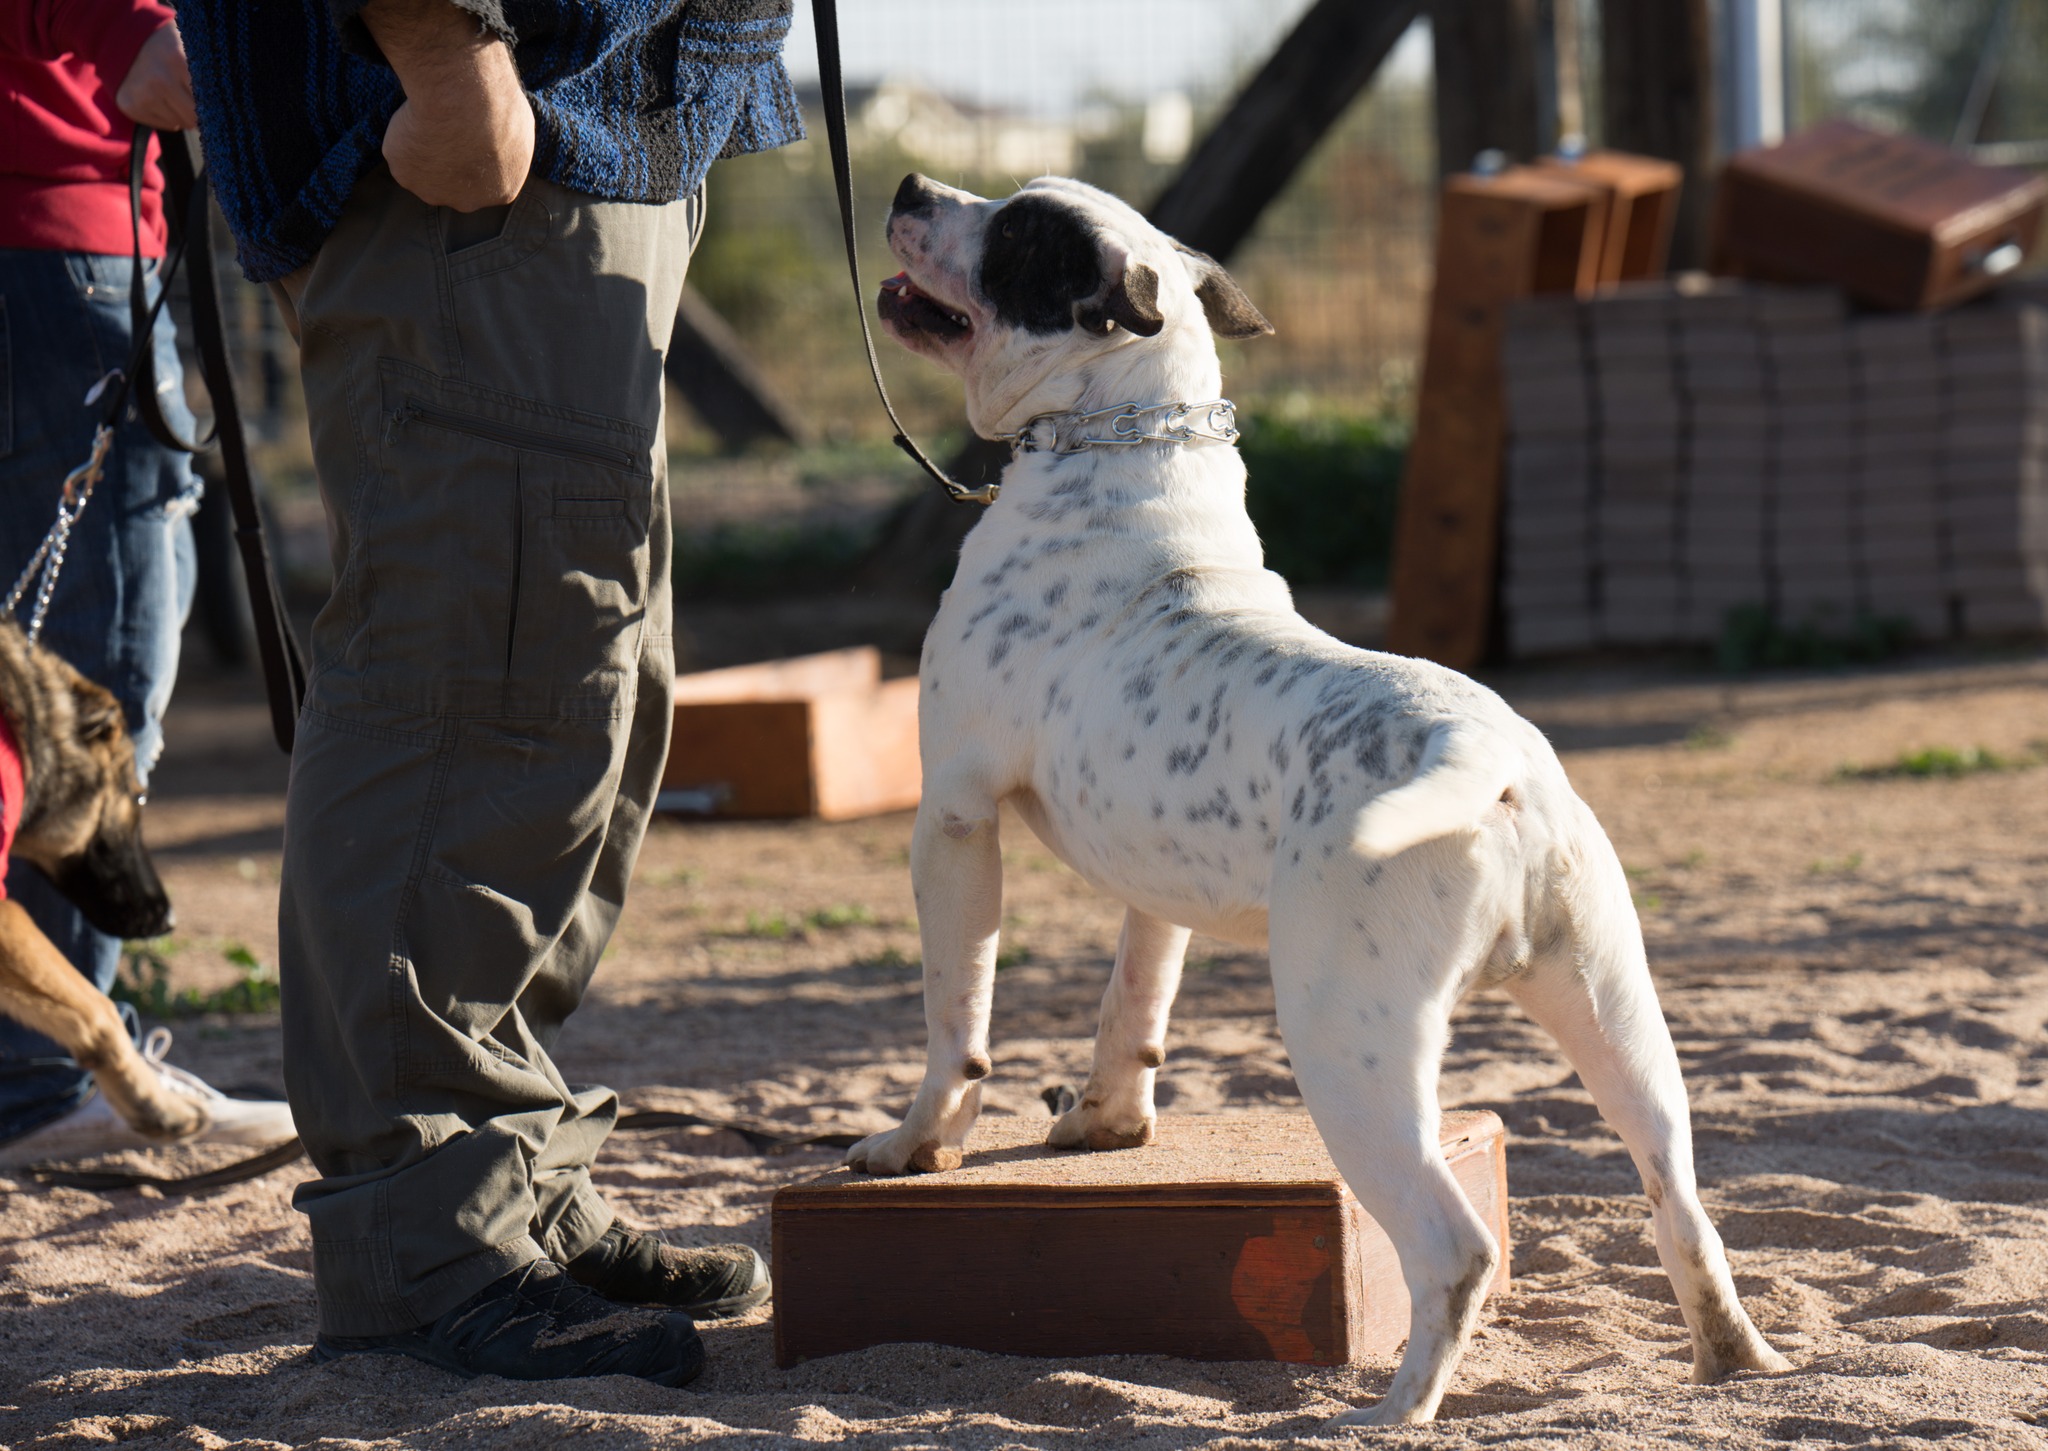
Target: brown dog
<point>80,822</point>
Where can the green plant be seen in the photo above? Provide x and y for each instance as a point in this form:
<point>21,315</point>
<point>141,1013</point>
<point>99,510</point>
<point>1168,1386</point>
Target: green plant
<point>1938,761</point>
<point>1709,737</point>
<point>847,914</point>
<point>750,558</point>
<point>1010,957</point>
<point>145,984</point>
<point>1752,638</point>
<point>1322,492</point>
<point>772,925</point>
<point>1834,866</point>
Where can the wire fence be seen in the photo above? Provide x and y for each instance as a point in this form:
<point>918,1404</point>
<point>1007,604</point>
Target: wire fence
<point>984,94</point>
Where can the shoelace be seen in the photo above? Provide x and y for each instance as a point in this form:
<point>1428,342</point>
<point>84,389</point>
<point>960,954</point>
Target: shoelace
<point>155,1045</point>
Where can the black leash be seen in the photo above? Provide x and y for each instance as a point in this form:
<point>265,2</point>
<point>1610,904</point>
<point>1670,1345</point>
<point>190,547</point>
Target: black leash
<point>253,1167</point>
<point>832,83</point>
<point>190,221</point>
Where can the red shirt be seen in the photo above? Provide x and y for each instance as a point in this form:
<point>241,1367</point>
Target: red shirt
<point>63,141</point>
<point>13,784</point>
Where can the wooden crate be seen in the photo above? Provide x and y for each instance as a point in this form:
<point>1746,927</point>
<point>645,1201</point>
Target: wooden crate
<point>1231,1238</point>
<point>1895,221</point>
<point>1641,202</point>
<point>819,735</point>
<point>1499,238</point>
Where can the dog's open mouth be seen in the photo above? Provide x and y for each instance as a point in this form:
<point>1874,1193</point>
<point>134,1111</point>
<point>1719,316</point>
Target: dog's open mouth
<point>904,306</point>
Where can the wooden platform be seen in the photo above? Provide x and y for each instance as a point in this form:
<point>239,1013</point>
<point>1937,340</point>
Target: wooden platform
<point>1231,1238</point>
<point>818,735</point>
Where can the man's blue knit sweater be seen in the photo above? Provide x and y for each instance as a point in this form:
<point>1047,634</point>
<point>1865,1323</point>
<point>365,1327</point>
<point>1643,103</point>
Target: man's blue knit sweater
<point>633,100</point>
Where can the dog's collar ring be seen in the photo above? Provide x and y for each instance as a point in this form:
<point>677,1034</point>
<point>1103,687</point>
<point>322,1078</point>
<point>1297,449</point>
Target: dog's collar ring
<point>1126,424</point>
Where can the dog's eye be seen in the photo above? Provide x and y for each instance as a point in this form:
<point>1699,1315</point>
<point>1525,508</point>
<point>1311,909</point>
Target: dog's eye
<point>1009,231</point>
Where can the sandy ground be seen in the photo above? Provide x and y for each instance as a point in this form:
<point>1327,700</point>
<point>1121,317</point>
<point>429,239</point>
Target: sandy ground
<point>1855,970</point>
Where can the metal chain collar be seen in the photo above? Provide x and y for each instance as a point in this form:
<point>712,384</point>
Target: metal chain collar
<point>48,560</point>
<point>1129,423</point>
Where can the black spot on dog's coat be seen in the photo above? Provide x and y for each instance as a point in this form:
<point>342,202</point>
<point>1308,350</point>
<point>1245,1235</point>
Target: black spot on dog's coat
<point>1041,258</point>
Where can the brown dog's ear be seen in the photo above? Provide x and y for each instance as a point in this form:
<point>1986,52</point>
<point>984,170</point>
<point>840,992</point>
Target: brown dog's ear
<point>1132,304</point>
<point>1230,312</point>
<point>97,712</point>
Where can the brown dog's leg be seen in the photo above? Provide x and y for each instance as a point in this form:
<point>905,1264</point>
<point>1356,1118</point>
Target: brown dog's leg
<point>39,988</point>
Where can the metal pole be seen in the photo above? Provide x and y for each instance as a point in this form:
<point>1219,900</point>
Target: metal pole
<point>1754,79</point>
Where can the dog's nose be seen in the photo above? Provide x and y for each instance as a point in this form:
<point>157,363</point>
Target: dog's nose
<point>914,194</point>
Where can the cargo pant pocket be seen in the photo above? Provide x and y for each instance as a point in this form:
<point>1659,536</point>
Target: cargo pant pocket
<point>516,840</point>
<point>506,552</point>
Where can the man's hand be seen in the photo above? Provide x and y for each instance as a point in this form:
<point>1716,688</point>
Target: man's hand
<point>464,136</point>
<point>157,91</point>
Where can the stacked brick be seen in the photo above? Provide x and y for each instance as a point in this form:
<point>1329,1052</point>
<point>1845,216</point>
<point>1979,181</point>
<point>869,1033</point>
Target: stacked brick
<point>1994,493</point>
<point>1547,585</point>
<point>1680,452</point>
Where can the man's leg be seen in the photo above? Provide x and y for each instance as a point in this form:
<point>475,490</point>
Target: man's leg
<point>125,588</point>
<point>471,779</point>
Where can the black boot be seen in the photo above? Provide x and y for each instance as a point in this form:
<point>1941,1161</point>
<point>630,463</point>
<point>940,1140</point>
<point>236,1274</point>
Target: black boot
<point>538,1324</point>
<point>706,1284</point>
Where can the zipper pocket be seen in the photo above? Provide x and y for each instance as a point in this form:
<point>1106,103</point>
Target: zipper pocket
<point>527,440</point>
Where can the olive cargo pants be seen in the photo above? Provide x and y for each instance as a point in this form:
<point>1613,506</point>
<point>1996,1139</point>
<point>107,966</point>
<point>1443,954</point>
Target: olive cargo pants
<point>484,728</point>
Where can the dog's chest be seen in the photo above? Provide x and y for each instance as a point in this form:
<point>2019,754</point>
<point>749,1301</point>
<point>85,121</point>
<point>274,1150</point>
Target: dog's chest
<point>1166,731</point>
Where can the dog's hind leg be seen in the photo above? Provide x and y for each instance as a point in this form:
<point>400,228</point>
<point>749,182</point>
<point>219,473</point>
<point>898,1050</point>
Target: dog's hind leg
<point>1594,994</point>
<point>1367,966</point>
<point>1115,1111</point>
<point>956,873</point>
<point>39,988</point>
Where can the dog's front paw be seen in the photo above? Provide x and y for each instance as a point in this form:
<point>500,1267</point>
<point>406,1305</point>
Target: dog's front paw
<point>1384,1413</point>
<point>152,1111</point>
<point>902,1150</point>
<point>1091,1124</point>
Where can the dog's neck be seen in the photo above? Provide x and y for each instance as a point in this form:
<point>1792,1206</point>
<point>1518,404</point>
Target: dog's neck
<point>1145,510</point>
<point>1046,379</point>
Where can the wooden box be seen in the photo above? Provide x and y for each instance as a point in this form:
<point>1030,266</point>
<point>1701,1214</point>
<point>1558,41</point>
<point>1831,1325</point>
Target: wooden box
<point>1499,238</point>
<point>819,735</point>
<point>1895,221</point>
<point>1641,195</point>
<point>1231,1238</point>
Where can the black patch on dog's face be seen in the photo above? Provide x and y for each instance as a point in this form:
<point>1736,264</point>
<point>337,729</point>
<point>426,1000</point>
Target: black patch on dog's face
<point>1041,258</point>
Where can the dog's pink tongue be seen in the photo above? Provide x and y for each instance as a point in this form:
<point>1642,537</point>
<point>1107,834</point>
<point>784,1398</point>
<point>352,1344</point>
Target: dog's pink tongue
<point>897,283</point>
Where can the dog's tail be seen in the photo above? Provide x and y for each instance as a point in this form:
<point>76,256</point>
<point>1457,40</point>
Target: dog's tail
<point>1458,778</point>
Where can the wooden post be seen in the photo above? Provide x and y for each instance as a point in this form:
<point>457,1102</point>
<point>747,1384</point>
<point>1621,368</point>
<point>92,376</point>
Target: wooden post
<point>1498,238</point>
<point>709,366</point>
<point>1253,151</point>
<point>1486,90</point>
<point>1657,83</point>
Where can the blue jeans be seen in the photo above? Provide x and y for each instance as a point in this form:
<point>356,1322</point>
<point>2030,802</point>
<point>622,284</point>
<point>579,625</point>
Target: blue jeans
<point>127,583</point>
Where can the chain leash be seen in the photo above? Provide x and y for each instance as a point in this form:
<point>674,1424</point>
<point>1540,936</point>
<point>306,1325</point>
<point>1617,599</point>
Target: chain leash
<point>48,561</point>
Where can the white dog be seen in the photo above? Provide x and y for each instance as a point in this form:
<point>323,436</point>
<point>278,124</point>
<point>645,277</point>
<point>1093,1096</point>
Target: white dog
<point>1116,664</point>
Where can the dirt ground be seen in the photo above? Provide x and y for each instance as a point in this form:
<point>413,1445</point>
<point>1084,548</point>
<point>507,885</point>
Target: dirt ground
<point>1855,970</point>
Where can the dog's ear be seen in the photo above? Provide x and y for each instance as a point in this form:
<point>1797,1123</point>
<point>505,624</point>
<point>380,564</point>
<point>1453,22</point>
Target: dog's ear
<point>1131,303</point>
<point>97,712</point>
<point>1230,312</point>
